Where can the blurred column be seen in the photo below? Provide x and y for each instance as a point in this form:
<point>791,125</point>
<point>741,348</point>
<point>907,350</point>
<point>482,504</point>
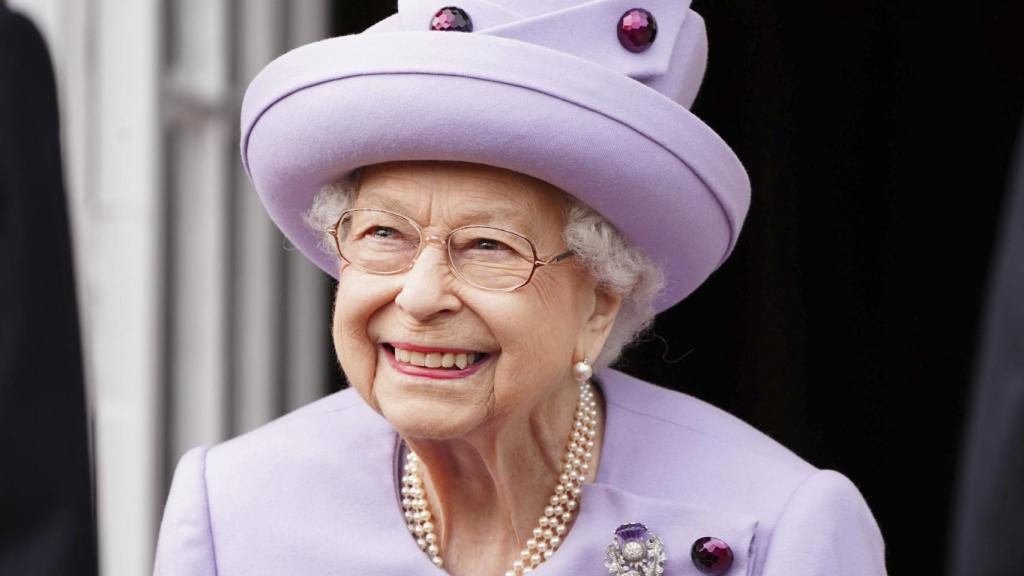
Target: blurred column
<point>246,317</point>
<point>280,312</point>
<point>47,520</point>
<point>196,204</point>
<point>988,508</point>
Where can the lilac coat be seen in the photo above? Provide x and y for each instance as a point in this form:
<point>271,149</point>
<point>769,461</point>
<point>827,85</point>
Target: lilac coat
<point>315,493</point>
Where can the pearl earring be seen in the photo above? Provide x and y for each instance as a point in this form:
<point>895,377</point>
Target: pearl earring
<point>582,370</point>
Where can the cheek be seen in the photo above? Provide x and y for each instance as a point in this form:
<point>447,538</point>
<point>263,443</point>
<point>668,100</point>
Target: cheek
<point>537,333</point>
<point>355,303</point>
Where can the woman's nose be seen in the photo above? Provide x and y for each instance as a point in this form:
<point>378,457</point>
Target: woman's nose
<point>427,286</point>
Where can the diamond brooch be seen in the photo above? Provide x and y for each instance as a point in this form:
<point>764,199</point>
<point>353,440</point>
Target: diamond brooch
<point>635,551</point>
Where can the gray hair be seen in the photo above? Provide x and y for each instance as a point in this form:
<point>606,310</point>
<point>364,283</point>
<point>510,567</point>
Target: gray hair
<point>598,246</point>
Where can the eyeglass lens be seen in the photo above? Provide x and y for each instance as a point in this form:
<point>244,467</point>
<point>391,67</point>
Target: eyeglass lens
<point>384,243</point>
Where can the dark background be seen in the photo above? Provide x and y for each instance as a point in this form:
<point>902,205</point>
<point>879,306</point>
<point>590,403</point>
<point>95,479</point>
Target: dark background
<point>878,138</point>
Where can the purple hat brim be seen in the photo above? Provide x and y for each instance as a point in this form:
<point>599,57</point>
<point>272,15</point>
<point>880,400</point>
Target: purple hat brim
<point>671,185</point>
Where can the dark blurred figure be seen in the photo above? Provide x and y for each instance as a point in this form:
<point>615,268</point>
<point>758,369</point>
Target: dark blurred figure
<point>47,515</point>
<point>988,515</point>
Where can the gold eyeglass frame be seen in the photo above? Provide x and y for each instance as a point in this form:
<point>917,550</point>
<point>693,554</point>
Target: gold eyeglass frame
<point>424,239</point>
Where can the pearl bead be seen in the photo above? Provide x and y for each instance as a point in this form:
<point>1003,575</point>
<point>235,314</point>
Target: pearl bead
<point>582,371</point>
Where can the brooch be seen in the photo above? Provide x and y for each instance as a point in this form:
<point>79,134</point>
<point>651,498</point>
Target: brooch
<point>635,551</point>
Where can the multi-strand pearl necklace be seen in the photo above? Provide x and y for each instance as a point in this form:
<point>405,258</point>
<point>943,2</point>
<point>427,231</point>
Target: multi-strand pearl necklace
<point>551,527</point>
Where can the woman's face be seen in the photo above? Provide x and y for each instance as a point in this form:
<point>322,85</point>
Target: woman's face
<point>531,336</point>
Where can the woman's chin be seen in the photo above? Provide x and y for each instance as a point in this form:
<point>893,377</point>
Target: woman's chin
<point>428,409</point>
<point>428,419</point>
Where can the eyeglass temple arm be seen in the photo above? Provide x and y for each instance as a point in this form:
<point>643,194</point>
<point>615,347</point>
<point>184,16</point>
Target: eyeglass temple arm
<point>555,259</point>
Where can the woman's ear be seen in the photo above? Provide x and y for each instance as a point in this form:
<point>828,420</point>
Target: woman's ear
<point>598,324</point>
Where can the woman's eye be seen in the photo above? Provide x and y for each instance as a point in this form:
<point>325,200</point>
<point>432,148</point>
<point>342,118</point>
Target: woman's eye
<point>488,244</point>
<point>382,232</point>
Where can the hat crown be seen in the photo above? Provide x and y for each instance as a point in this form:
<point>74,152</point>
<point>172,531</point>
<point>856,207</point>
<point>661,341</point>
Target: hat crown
<point>674,64</point>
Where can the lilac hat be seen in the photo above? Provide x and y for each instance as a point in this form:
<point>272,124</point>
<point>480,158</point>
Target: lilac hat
<point>590,96</point>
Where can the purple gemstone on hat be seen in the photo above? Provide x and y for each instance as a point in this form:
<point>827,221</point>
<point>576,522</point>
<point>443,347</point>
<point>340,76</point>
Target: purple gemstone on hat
<point>711,555</point>
<point>637,29</point>
<point>451,19</point>
<point>630,532</point>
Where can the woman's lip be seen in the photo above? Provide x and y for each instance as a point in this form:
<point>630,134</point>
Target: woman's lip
<point>428,349</point>
<point>438,373</point>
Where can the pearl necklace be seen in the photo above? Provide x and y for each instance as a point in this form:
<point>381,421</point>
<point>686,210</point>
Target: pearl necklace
<point>551,527</point>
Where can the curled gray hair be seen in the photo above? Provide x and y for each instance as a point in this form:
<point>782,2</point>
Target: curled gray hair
<point>597,244</point>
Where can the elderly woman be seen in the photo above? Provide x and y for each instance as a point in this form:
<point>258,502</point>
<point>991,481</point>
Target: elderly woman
<point>505,207</point>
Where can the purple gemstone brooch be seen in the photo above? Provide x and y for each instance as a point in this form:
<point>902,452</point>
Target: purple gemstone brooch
<point>635,551</point>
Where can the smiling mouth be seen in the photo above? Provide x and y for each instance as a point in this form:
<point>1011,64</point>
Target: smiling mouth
<point>438,360</point>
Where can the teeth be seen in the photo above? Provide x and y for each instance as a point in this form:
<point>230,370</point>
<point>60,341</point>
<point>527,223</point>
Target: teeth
<point>436,359</point>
